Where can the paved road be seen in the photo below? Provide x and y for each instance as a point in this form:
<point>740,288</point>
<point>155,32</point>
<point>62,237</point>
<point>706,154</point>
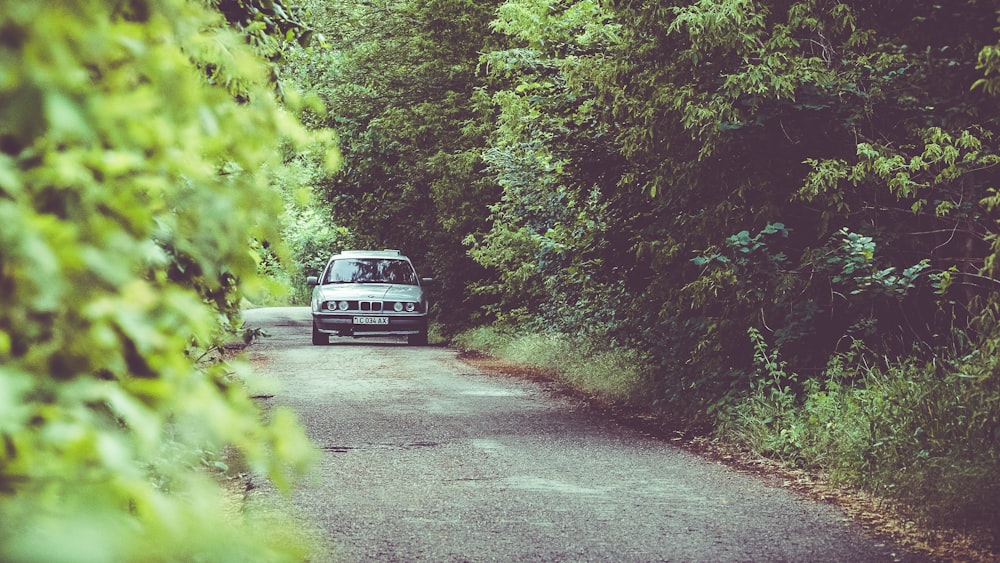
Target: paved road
<point>427,459</point>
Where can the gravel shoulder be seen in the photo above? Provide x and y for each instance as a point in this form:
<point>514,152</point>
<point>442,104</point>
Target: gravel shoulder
<point>428,457</point>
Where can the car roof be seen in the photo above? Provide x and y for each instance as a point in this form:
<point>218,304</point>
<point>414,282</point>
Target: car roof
<point>387,253</point>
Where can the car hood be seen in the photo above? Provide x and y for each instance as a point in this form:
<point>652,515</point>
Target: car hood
<point>372,291</point>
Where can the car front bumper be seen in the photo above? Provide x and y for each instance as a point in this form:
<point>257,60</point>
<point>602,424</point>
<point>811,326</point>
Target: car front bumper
<point>352,324</point>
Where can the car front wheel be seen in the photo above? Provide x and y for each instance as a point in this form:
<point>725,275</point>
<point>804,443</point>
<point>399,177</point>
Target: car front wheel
<point>419,339</point>
<point>319,338</point>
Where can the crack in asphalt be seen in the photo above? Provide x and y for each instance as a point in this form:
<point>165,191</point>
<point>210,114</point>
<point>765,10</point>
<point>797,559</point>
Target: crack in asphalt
<point>382,446</point>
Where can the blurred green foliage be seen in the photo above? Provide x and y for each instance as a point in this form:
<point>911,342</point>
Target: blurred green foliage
<point>136,140</point>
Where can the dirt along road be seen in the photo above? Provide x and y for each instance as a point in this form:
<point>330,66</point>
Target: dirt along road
<point>424,458</point>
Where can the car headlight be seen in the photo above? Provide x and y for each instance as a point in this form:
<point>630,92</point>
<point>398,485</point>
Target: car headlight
<point>342,305</point>
<point>398,307</point>
<point>331,305</point>
<point>410,307</point>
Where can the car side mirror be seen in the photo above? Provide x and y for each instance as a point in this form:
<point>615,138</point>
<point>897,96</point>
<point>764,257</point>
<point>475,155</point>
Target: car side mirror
<point>312,281</point>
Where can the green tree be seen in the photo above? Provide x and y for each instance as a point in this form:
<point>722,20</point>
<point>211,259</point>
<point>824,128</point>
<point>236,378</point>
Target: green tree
<point>819,116</point>
<point>135,140</point>
<point>401,82</point>
<point>550,248</point>
<point>815,168</point>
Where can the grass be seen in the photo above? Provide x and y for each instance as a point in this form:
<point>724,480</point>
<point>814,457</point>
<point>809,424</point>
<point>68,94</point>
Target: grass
<point>586,365</point>
<point>924,436</point>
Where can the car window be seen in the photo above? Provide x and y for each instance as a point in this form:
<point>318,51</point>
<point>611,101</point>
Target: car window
<point>371,270</point>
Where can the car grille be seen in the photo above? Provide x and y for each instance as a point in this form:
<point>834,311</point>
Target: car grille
<point>374,306</point>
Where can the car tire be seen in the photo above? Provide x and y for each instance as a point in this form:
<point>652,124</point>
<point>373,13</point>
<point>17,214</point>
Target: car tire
<point>419,339</point>
<point>319,338</point>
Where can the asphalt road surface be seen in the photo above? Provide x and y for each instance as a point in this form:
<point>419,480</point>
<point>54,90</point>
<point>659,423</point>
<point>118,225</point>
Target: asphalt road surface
<point>425,458</point>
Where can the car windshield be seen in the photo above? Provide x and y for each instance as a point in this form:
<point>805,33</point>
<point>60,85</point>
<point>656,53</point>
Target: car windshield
<point>371,270</point>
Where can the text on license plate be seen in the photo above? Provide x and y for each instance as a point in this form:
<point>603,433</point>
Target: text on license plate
<point>371,320</point>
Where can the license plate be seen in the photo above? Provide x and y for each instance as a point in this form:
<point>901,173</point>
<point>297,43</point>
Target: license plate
<point>371,320</point>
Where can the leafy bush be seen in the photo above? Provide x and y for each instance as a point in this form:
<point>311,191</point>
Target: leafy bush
<point>134,143</point>
<point>309,234</point>
<point>923,433</point>
<point>312,239</point>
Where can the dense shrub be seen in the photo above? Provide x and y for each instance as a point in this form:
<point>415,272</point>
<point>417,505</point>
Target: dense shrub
<point>926,434</point>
